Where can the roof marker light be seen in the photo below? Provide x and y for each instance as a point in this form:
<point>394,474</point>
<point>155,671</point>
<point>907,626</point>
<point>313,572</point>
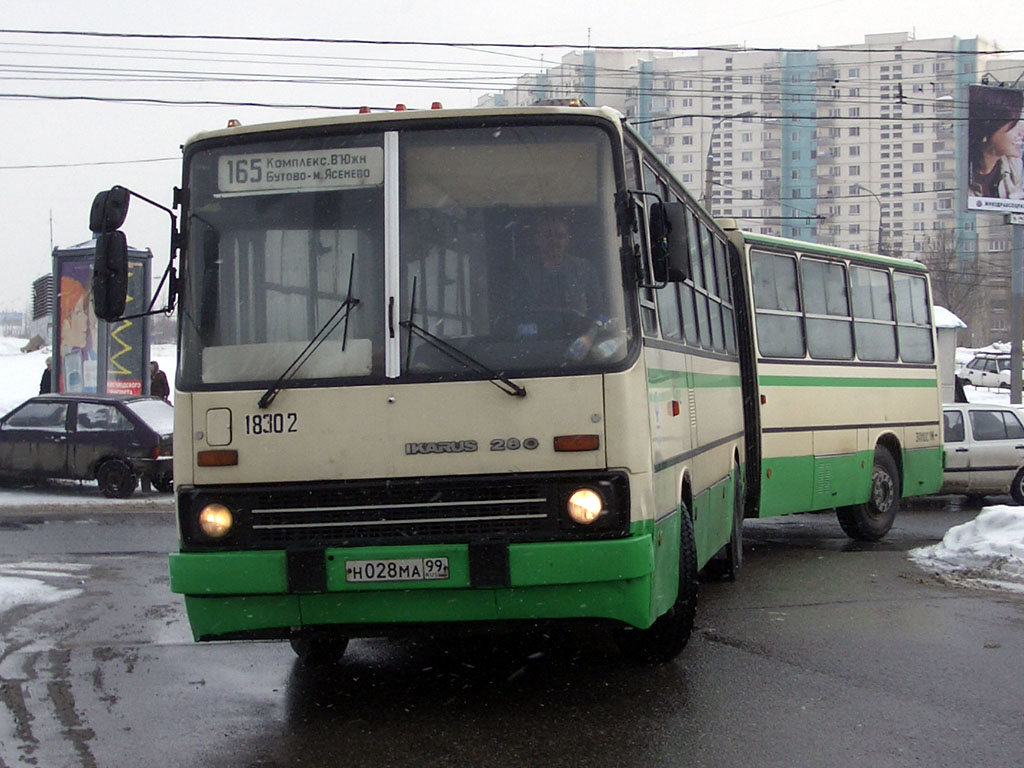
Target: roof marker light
<point>436,105</point>
<point>364,110</point>
<point>399,107</point>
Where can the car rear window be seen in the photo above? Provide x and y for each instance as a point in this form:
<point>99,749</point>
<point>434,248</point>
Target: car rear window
<point>158,414</point>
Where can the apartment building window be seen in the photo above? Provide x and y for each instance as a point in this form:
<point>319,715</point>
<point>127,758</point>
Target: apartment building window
<point>855,210</point>
<point>917,167</point>
<point>918,207</point>
<point>938,166</point>
<point>747,176</point>
<point>747,80</point>
<point>686,159</point>
<point>854,170</point>
<point>919,186</point>
<point>854,72</point>
<point>766,174</point>
<point>917,128</point>
<point>854,151</point>
<point>917,146</point>
<point>854,111</point>
<point>854,229</point>
<point>746,157</point>
<point>746,137</point>
<point>686,140</point>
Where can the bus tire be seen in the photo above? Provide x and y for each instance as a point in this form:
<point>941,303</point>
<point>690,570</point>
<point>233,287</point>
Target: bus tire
<point>1017,489</point>
<point>871,520</point>
<point>668,635</point>
<point>725,565</point>
<point>318,647</point>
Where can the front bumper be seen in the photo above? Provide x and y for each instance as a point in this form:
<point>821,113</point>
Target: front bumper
<point>260,593</point>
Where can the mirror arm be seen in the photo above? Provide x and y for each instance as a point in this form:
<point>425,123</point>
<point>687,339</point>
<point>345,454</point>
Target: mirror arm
<point>170,275</point>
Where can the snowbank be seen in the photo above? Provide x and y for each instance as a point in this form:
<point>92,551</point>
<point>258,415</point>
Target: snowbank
<point>987,551</point>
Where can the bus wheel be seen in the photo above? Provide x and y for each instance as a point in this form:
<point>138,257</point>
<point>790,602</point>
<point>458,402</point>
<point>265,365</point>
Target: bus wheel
<point>668,635</point>
<point>724,565</point>
<point>318,647</point>
<point>871,520</point>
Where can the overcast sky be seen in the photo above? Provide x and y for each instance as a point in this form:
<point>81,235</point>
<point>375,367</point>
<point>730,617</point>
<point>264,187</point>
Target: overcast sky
<point>56,153</point>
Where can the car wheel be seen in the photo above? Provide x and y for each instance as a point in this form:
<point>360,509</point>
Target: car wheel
<point>116,479</point>
<point>164,483</point>
<point>668,635</point>
<point>1017,489</point>
<point>871,520</point>
<point>318,647</point>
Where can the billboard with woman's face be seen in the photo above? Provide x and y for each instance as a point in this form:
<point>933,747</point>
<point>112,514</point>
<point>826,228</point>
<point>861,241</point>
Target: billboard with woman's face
<point>77,332</point>
<point>994,138</point>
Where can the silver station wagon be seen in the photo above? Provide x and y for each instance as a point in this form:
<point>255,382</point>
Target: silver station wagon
<point>984,447</point>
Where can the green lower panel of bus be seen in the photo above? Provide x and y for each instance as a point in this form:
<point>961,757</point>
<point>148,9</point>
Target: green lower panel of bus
<point>233,593</point>
<point>793,484</point>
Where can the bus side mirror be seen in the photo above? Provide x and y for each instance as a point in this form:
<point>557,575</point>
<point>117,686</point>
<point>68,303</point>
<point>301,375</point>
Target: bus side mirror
<point>109,210</point>
<point>669,256</point>
<point>110,275</point>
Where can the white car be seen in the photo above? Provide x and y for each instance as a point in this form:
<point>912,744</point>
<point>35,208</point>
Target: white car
<point>984,447</point>
<point>986,370</point>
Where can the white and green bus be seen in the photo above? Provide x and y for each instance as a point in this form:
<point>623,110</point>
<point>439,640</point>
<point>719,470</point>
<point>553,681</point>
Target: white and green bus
<point>450,367</point>
<point>844,387</point>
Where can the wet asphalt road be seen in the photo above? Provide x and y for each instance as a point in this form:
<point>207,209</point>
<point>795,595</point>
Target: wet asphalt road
<point>824,653</point>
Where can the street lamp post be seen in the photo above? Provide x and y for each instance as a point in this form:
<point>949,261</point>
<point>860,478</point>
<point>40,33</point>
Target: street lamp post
<point>879,201</point>
<point>709,160</point>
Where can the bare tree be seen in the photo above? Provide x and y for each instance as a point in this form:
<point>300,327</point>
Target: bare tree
<point>960,279</point>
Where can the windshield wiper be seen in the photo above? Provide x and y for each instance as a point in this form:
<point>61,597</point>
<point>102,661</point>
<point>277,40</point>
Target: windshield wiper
<point>498,379</point>
<point>340,315</point>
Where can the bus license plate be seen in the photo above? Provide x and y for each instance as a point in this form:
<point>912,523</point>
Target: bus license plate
<point>410,569</point>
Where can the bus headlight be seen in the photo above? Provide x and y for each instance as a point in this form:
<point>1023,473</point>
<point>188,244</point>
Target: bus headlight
<point>215,520</point>
<point>585,506</point>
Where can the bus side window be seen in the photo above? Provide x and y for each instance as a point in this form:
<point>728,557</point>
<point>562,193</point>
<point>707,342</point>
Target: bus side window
<point>914,330</point>
<point>688,299</point>
<point>725,292</point>
<point>873,328</point>
<point>777,305</point>
<point>828,322</point>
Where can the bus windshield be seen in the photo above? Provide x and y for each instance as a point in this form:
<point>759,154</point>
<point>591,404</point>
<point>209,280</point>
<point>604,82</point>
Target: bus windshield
<point>360,251</point>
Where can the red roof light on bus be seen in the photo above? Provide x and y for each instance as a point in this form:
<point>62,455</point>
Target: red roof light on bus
<point>436,105</point>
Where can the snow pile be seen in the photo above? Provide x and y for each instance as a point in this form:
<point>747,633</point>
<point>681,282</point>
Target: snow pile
<point>987,551</point>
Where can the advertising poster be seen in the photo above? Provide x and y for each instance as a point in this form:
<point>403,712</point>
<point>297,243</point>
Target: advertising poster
<point>126,341</point>
<point>995,135</point>
<point>78,327</point>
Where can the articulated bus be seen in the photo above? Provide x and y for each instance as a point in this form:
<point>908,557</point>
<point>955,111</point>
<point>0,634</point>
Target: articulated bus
<point>844,384</point>
<point>472,369</point>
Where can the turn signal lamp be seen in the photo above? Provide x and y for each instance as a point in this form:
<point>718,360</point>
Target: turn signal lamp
<point>215,520</point>
<point>585,506</point>
<point>218,458</point>
<point>571,443</point>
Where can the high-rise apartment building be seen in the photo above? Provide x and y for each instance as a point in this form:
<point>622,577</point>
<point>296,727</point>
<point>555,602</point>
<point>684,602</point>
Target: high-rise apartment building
<point>861,146</point>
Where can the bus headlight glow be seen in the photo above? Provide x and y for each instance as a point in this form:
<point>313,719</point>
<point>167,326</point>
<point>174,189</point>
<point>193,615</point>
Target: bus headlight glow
<point>215,520</point>
<point>585,506</point>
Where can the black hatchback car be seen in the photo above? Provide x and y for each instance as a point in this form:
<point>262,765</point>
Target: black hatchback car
<point>113,439</point>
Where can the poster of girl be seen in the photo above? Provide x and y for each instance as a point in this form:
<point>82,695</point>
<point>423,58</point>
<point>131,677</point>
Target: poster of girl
<point>78,329</point>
